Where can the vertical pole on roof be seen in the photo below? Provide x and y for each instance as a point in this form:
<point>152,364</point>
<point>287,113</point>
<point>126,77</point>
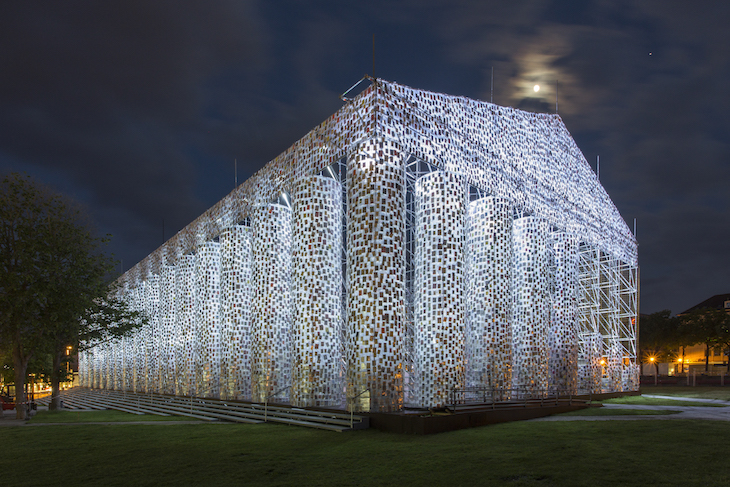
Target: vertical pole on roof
<point>556,97</point>
<point>373,56</point>
<point>491,91</point>
<point>235,173</point>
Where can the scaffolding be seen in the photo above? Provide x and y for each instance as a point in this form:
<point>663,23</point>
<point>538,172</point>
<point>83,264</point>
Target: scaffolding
<point>607,316</point>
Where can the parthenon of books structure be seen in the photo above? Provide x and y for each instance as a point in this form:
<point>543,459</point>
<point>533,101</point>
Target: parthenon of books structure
<point>412,247</point>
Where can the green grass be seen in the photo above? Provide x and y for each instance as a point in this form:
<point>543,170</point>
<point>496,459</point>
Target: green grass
<point>618,412</point>
<point>653,401</point>
<point>700,392</point>
<point>513,454</point>
<point>98,416</point>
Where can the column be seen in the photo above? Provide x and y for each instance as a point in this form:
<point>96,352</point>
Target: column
<point>137,342</point>
<point>126,360</point>
<point>186,349</point>
<point>103,365</point>
<point>96,360</point>
<point>439,349</point>
<point>126,344</point>
<point>531,312</point>
<point>116,355</point>
<point>83,374</point>
<point>272,310</point>
<point>166,326</point>
<point>237,294</point>
<point>563,335</point>
<point>317,368</point>
<point>375,277</point>
<point>489,297</point>
<point>151,289</point>
<point>207,319</point>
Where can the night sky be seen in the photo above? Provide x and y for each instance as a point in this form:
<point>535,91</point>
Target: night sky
<point>138,109</point>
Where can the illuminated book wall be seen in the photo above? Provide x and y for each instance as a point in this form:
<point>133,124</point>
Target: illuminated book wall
<point>337,276</point>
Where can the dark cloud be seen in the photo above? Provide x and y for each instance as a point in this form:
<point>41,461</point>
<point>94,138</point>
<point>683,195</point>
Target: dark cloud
<point>139,108</point>
<point>113,96</point>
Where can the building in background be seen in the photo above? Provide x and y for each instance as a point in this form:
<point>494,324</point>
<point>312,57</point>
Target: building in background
<point>413,248</point>
<point>692,359</point>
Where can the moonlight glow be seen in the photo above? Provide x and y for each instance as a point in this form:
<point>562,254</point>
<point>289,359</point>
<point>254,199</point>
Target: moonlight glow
<point>536,88</point>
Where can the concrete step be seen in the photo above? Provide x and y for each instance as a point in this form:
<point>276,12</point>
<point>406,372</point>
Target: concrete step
<point>262,414</point>
<point>215,409</point>
<point>125,406</point>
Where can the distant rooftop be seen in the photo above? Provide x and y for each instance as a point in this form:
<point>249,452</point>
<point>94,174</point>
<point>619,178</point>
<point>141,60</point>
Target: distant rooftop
<point>717,302</point>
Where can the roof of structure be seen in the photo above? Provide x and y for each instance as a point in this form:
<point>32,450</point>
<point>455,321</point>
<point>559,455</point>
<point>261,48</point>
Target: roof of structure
<point>528,158</point>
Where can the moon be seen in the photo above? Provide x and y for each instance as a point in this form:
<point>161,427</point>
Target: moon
<point>536,88</point>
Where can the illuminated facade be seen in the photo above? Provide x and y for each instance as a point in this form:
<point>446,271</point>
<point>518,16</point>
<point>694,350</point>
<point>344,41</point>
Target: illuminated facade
<point>412,247</point>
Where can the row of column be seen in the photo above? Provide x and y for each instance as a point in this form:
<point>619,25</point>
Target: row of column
<point>500,302</point>
<point>259,314</point>
<point>495,298</point>
<point>256,315</point>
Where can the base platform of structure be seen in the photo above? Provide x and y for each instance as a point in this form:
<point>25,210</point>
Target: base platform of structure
<point>474,415</point>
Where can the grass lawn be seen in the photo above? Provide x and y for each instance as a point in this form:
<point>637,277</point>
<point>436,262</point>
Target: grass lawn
<point>654,401</point>
<point>699,392</point>
<point>107,415</point>
<point>512,454</point>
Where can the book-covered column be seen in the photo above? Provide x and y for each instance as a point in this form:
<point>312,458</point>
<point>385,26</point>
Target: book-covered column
<point>375,277</point>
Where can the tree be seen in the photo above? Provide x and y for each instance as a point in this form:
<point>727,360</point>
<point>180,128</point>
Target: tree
<point>104,318</point>
<point>81,305</point>
<point>703,326</point>
<point>52,279</point>
<point>659,337</point>
<point>723,337</point>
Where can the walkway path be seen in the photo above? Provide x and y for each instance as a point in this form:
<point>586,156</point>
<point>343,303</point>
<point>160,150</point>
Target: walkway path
<point>713,413</point>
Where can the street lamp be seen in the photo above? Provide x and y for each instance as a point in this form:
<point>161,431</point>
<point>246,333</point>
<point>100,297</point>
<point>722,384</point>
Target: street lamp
<point>651,359</point>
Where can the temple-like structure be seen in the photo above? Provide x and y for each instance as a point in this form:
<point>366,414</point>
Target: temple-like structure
<point>412,250</point>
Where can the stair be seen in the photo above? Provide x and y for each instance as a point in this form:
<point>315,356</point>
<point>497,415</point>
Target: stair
<point>210,409</point>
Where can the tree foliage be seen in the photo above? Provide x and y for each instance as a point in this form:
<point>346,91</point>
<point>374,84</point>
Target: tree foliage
<point>53,279</point>
<point>659,337</point>
<point>707,326</point>
<point>723,337</point>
